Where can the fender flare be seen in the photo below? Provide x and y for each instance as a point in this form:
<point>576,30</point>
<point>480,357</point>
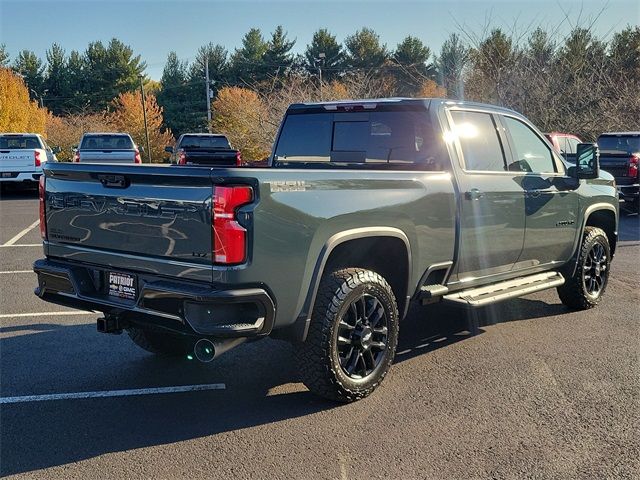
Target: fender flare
<point>304,317</point>
<point>589,210</point>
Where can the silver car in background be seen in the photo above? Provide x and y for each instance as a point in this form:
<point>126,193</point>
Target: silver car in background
<point>107,148</point>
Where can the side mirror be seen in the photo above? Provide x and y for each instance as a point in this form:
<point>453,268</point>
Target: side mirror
<point>168,149</point>
<point>587,160</point>
<point>141,149</point>
<point>56,150</point>
<point>74,148</point>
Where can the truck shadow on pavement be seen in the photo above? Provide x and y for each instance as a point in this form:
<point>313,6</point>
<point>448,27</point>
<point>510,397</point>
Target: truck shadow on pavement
<point>261,380</point>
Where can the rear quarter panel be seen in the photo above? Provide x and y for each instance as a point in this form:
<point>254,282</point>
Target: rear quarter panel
<point>298,211</point>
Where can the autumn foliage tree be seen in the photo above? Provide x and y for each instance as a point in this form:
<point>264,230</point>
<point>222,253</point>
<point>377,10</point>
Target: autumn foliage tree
<point>65,132</point>
<point>128,117</point>
<point>240,114</point>
<point>18,113</point>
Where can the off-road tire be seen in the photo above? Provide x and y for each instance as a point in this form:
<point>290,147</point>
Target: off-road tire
<point>573,293</point>
<point>162,344</point>
<point>318,356</point>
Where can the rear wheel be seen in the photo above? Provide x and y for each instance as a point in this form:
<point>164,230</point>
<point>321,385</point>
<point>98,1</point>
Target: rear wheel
<point>352,337</point>
<point>160,343</point>
<point>585,288</point>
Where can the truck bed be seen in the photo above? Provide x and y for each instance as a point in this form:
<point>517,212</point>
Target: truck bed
<point>157,220</point>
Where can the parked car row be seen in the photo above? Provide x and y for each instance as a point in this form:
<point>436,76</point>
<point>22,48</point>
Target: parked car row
<point>619,155</point>
<point>22,155</point>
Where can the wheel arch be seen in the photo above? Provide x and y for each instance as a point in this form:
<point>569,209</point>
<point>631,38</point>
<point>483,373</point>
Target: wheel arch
<point>601,215</point>
<point>360,247</point>
<point>604,216</point>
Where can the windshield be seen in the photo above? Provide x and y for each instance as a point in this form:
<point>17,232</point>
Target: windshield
<point>21,142</point>
<point>204,142</point>
<point>107,142</point>
<point>620,143</point>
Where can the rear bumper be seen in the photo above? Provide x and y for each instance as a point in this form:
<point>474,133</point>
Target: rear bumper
<point>185,307</point>
<point>629,193</point>
<point>20,177</point>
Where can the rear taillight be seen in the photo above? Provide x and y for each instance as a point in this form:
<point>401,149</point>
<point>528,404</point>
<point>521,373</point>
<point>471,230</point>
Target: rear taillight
<point>633,165</point>
<point>238,158</point>
<point>229,237</point>
<point>43,220</point>
<point>182,158</point>
<point>137,158</point>
<point>36,158</point>
<point>76,157</point>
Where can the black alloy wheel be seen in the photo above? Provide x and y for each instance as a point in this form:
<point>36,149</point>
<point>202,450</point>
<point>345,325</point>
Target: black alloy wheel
<point>362,336</point>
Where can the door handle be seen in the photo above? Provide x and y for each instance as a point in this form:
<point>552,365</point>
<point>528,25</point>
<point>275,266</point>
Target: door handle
<point>474,194</point>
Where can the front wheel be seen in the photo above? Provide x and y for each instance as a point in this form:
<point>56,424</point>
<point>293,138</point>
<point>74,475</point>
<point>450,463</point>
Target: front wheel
<point>585,288</point>
<point>352,337</point>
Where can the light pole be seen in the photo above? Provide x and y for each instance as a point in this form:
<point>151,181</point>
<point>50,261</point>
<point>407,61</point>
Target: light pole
<point>39,97</point>
<point>144,115</point>
<point>208,88</point>
<point>320,62</point>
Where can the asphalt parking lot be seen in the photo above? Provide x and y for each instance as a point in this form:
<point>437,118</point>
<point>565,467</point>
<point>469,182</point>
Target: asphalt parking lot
<point>541,392</point>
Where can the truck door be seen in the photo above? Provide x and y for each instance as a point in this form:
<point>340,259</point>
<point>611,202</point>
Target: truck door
<point>492,201</point>
<point>551,202</point>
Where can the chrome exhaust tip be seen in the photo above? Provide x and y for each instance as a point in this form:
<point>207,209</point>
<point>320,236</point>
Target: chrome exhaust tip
<point>204,350</point>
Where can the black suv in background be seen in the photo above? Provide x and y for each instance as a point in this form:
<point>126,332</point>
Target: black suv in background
<point>620,156</point>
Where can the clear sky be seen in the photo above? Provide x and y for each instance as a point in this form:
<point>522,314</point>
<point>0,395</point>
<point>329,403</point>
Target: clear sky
<point>155,27</point>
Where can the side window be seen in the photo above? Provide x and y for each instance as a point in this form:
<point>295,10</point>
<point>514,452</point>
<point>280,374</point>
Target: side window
<point>572,145</point>
<point>562,144</point>
<point>478,136</point>
<point>531,153</point>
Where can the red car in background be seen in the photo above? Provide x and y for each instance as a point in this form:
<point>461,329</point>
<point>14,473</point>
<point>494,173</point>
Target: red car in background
<point>565,143</point>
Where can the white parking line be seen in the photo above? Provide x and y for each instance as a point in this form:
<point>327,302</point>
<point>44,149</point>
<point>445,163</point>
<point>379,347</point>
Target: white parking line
<point>15,271</point>
<point>113,393</point>
<point>45,314</point>
<point>21,234</point>
<point>22,245</point>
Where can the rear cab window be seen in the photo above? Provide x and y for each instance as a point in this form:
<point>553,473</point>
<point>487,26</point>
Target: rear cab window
<point>106,142</point>
<point>623,143</point>
<point>379,139</point>
<point>204,141</point>
<point>20,142</point>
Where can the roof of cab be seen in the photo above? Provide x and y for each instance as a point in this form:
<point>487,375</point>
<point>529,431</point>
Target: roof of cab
<point>618,134</point>
<point>403,101</point>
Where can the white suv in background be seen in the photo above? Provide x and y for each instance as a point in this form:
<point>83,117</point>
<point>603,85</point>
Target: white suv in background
<point>22,156</point>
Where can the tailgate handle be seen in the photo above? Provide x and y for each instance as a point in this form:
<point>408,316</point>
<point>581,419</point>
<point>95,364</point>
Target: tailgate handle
<point>113,181</point>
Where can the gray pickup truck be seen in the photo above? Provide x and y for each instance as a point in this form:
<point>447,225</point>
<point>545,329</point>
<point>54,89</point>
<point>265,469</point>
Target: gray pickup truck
<point>366,207</point>
<point>107,148</point>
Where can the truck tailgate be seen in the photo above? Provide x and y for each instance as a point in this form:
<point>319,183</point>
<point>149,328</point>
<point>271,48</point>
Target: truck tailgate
<point>617,164</point>
<point>130,214</point>
<point>17,160</point>
<point>107,156</point>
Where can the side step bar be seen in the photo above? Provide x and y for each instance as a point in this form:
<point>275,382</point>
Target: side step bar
<point>477,297</point>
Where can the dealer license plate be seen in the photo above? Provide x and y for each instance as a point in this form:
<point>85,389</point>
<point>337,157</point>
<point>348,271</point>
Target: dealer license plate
<point>122,285</point>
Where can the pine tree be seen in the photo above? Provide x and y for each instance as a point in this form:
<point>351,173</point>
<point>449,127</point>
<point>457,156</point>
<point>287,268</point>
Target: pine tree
<point>278,57</point>
<point>324,43</point>
<point>364,51</point>
<point>29,66</point>
<point>413,68</point>
<point>175,96</point>
<point>247,62</point>
<point>57,80</point>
